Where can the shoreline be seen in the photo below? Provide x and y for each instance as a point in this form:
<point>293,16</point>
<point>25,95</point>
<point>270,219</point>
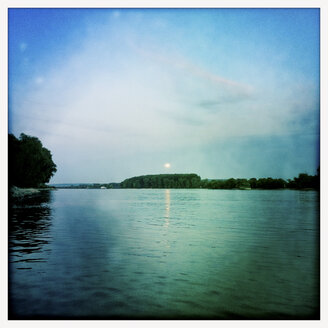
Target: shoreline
<point>16,192</point>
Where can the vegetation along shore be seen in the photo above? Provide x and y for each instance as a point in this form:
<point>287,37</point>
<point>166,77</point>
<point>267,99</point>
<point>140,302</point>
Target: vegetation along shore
<point>185,181</point>
<point>31,167</point>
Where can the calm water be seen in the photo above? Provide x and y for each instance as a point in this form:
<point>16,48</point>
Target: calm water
<point>165,254</point>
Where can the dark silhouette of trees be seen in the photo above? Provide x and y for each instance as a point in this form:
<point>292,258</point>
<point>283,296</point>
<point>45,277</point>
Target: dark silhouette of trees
<point>305,181</point>
<point>270,183</point>
<point>163,181</point>
<point>253,183</point>
<point>30,164</point>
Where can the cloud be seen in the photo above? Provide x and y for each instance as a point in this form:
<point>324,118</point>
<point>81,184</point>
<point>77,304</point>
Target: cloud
<point>116,13</point>
<point>183,64</point>
<point>39,80</point>
<point>160,99</point>
<point>22,46</point>
<point>118,100</point>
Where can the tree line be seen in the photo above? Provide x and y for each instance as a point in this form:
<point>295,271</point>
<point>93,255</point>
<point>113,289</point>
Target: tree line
<point>29,163</point>
<point>303,181</point>
<point>163,181</point>
<point>112,185</point>
<point>167,181</point>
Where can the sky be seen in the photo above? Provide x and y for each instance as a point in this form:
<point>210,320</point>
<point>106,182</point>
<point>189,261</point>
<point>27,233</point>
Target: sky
<point>116,93</point>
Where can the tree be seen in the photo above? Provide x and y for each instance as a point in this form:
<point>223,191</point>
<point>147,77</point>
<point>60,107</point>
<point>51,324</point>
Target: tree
<point>252,182</point>
<point>163,181</point>
<point>304,181</point>
<point>230,183</point>
<point>30,164</point>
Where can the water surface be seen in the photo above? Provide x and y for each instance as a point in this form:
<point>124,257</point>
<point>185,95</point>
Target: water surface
<point>165,254</point>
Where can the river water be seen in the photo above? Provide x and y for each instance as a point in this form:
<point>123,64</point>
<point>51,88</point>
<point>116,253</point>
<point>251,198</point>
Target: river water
<point>165,254</point>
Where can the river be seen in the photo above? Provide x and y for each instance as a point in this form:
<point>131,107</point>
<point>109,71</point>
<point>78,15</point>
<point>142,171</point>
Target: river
<point>165,254</point>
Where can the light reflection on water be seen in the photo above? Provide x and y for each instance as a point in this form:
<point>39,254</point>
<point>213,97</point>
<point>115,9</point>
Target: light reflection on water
<point>167,208</point>
<point>165,254</point>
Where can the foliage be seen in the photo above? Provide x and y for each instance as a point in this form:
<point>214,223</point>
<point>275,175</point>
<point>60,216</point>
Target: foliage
<point>30,164</point>
<point>253,183</point>
<point>270,183</point>
<point>305,181</point>
<point>163,181</point>
<point>112,185</point>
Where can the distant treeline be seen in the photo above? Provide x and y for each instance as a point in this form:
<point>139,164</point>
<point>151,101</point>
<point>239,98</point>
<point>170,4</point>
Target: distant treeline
<point>303,181</point>
<point>31,165</point>
<point>163,181</point>
<point>112,185</point>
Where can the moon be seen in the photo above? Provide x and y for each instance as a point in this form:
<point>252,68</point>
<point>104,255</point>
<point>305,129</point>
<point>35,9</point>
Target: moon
<point>167,165</point>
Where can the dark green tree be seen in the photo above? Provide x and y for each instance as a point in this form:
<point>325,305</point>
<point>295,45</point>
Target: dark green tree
<point>252,182</point>
<point>30,164</point>
<point>305,181</point>
<point>163,181</point>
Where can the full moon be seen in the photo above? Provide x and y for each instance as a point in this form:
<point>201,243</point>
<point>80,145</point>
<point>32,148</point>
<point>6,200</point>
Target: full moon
<point>167,165</point>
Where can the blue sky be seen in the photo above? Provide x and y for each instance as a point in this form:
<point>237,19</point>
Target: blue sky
<point>115,93</point>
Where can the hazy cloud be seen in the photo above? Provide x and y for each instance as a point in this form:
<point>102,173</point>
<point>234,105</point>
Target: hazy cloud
<point>124,104</point>
<point>22,46</point>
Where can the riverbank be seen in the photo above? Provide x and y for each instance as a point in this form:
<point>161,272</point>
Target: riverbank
<point>16,192</point>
